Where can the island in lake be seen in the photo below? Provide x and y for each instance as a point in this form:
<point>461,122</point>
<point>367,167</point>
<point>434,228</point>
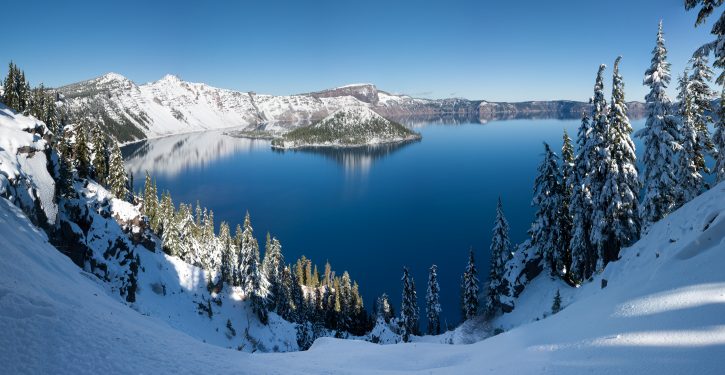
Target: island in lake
<point>347,127</point>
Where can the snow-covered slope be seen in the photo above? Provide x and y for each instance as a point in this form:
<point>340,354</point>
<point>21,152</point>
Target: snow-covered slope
<point>661,312</point>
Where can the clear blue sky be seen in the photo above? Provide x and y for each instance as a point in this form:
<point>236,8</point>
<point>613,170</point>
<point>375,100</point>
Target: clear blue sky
<point>493,50</point>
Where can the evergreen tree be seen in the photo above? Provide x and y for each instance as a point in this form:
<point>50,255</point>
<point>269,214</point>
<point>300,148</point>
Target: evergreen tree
<point>582,251</point>
<point>719,140</point>
<point>252,281</point>
<point>500,254</point>
<point>616,221</point>
<point>660,138</point>
<point>384,310</point>
<point>150,205</point>
<point>690,182</point>
<point>432,302</point>
<point>469,288</point>
<point>544,232</point>
<point>565,224</point>
<point>701,109</point>
<point>409,307</point>
<point>272,266</point>
<point>82,153</point>
<point>10,90</point>
<point>100,159</point>
<point>717,48</point>
<point>556,305</point>
<point>117,179</point>
<point>228,254</point>
<point>65,167</point>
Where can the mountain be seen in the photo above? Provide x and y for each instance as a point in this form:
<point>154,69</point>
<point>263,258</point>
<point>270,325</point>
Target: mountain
<point>173,106</point>
<point>351,126</point>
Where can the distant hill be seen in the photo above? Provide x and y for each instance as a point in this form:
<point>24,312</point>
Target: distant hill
<point>353,126</point>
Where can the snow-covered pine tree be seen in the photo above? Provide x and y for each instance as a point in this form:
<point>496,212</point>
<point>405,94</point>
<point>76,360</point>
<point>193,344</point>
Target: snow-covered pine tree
<point>408,313</point>
<point>252,281</point>
<point>100,158</point>
<point>384,309</point>
<point>544,232</point>
<point>228,254</point>
<point>117,179</point>
<point>582,251</point>
<point>618,224</point>
<point>82,155</point>
<point>500,254</point>
<point>10,92</point>
<point>660,138</point>
<point>689,180</point>
<point>65,167</point>
<point>717,48</point>
<point>718,139</point>
<point>432,302</point>
<point>346,303</point>
<point>701,96</point>
<point>272,266</point>
<point>565,223</point>
<point>150,205</point>
<point>469,288</point>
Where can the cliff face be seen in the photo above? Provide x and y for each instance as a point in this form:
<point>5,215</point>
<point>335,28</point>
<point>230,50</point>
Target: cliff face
<point>173,106</point>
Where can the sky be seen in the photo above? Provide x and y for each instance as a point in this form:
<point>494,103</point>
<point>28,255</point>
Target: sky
<point>490,50</point>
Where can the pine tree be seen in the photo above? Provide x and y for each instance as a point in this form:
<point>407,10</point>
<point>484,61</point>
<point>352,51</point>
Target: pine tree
<point>660,138</point>
<point>117,179</point>
<point>228,254</point>
<point>383,308</point>
<point>432,302</point>
<point>582,251</point>
<point>616,222</point>
<point>469,289</point>
<point>601,163</point>
<point>565,224</point>
<point>556,305</point>
<point>252,281</point>
<point>82,153</point>
<point>100,159</point>
<point>500,254</point>
<point>701,109</point>
<point>717,48</point>
<point>719,140</point>
<point>409,307</point>
<point>272,267</point>
<point>10,90</point>
<point>544,232</point>
<point>65,167</point>
<point>690,182</point>
<point>150,206</point>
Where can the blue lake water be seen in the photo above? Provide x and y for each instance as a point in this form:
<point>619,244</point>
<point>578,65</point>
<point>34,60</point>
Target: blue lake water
<point>368,211</point>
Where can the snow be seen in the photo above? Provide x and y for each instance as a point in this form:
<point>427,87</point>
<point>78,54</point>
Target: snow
<point>660,313</point>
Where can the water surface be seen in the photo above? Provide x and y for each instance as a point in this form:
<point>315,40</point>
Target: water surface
<point>369,211</point>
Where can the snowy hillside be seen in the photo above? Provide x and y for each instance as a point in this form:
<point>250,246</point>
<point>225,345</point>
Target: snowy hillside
<point>660,313</point>
<point>353,126</point>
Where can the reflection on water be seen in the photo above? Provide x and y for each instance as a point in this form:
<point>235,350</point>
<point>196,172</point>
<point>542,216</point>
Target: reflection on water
<point>354,160</point>
<point>172,155</point>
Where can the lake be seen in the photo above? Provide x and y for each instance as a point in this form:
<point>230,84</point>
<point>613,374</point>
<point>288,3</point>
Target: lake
<point>369,211</point>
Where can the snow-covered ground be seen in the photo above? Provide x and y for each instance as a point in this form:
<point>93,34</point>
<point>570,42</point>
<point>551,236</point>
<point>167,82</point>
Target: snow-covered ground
<point>660,313</point>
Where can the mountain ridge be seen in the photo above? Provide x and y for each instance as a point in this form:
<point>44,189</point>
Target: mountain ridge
<point>170,105</point>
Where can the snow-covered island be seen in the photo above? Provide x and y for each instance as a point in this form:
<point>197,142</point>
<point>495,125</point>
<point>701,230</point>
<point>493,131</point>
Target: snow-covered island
<point>347,127</point>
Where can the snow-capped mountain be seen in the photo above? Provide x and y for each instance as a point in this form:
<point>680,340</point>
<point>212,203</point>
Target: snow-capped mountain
<point>173,106</point>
